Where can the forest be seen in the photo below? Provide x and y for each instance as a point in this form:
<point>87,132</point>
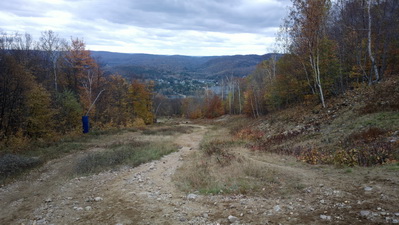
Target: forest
<point>48,85</point>
<point>329,47</point>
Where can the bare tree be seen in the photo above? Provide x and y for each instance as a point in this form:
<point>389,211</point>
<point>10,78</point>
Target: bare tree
<point>52,45</point>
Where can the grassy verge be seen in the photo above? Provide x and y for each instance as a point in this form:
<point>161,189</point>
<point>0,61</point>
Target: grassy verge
<point>131,154</point>
<point>13,164</point>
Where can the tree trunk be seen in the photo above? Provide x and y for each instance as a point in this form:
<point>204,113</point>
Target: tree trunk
<point>239,97</point>
<point>377,76</point>
<point>307,78</point>
<point>319,80</point>
<point>314,62</point>
<point>55,76</point>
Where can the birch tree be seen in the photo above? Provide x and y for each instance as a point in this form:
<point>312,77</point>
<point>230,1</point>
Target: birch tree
<point>308,19</point>
<point>373,63</point>
<point>52,46</point>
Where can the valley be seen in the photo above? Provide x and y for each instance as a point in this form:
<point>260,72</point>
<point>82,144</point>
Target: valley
<point>177,76</point>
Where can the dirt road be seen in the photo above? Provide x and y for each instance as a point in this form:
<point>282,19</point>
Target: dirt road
<point>147,195</point>
<point>141,195</point>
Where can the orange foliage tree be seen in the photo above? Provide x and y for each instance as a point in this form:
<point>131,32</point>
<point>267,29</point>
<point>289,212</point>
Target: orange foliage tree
<point>85,76</point>
<point>213,106</point>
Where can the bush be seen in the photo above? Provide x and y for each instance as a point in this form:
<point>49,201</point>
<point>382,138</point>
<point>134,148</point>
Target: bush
<point>367,136</point>
<point>311,156</point>
<point>250,134</point>
<point>384,97</point>
<point>346,157</point>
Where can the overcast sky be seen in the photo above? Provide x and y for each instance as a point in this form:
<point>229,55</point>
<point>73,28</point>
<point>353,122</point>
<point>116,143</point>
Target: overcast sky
<point>185,27</point>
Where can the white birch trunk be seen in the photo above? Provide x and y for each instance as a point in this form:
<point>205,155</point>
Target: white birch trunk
<point>377,76</point>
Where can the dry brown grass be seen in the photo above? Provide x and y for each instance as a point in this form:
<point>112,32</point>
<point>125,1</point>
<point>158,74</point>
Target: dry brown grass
<point>225,166</point>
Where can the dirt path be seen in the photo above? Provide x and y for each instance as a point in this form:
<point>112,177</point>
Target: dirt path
<point>141,195</point>
<point>147,195</point>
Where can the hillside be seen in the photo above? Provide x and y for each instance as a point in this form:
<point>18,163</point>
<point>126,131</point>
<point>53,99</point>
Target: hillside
<point>358,128</point>
<point>147,66</point>
<point>231,170</point>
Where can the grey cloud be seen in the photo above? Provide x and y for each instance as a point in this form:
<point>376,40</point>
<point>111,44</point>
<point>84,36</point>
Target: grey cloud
<point>205,15</point>
<point>191,25</point>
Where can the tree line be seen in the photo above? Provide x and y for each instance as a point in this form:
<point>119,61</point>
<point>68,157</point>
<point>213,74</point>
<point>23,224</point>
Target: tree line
<point>46,86</point>
<point>329,47</point>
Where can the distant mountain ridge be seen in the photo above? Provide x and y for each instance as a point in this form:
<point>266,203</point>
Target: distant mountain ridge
<point>148,66</point>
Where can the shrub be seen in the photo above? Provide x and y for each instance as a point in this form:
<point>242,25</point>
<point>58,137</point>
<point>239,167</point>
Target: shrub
<point>377,153</point>
<point>384,97</point>
<point>346,157</point>
<point>366,136</point>
<point>311,156</point>
<point>219,149</point>
<point>250,134</point>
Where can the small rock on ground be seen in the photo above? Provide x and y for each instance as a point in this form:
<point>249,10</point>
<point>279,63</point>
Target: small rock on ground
<point>232,219</point>
<point>191,196</point>
<point>365,213</point>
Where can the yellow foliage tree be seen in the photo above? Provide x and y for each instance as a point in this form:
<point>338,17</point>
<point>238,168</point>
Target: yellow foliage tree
<point>40,114</point>
<point>141,101</point>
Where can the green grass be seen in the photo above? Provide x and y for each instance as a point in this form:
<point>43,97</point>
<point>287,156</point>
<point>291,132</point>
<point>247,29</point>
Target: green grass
<point>132,154</point>
<point>392,167</point>
<point>348,170</point>
<point>383,120</point>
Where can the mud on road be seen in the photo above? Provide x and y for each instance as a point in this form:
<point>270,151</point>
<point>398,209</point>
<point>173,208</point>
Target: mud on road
<point>148,195</point>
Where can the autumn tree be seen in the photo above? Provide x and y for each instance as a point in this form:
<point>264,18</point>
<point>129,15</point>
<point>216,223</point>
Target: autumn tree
<point>68,112</point>
<point>15,85</point>
<point>53,47</point>
<point>113,105</point>
<point>84,74</point>
<point>46,87</point>
<point>213,106</point>
<point>308,19</point>
<point>39,113</point>
<point>140,96</point>
<point>192,107</point>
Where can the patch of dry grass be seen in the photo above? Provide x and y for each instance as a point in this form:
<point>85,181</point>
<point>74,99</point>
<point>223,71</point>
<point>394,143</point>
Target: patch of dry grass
<point>168,130</point>
<point>132,154</point>
<point>223,166</point>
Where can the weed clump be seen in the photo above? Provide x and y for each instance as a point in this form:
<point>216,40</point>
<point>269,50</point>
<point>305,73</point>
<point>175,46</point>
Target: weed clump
<point>219,149</point>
